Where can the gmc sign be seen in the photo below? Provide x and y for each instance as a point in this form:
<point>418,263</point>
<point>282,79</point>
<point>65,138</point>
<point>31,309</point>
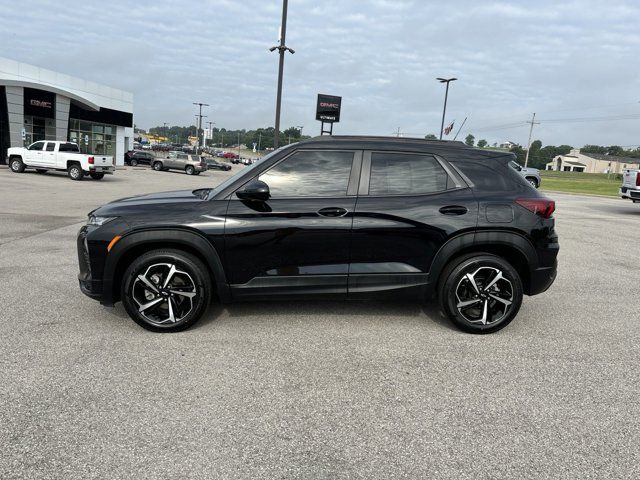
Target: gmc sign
<point>328,108</point>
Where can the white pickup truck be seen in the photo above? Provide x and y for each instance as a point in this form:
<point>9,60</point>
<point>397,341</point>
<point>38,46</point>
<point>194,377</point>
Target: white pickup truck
<point>631,185</point>
<point>49,155</point>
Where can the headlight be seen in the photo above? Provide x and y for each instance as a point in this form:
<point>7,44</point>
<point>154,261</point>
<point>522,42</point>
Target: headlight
<point>95,220</point>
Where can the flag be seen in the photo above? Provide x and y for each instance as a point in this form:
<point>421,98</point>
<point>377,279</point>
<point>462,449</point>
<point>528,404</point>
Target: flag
<point>447,130</point>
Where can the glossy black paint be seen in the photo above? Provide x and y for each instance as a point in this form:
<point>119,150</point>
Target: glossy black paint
<point>354,244</point>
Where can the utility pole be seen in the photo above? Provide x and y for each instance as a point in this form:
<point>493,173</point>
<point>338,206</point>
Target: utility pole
<point>222,142</point>
<point>532,122</point>
<point>259,141</point>
<point>398,132</point>
<point>164,130</point>
<point>238,143</point>
<point>282,48</point>
<point>446,94</point>
<point>199,123</point>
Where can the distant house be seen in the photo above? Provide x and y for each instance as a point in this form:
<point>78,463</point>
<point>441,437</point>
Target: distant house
<point>575,161</point>
<point>508,145</point>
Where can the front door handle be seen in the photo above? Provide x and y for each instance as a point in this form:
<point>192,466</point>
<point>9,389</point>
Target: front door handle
<point>453,210</point>
<point>332,212</point>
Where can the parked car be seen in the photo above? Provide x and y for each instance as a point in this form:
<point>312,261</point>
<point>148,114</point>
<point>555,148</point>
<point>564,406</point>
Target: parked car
<point>433,219</point>
<point>136,157</point>
<point>531,175</point>
<point>230,155</point>
<point>63,156</point>
<point>190,164</point>
<point>630,188</point>
<point>212,164</point>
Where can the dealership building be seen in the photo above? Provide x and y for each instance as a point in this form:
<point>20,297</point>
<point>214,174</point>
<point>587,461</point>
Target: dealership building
<point>39,104</point>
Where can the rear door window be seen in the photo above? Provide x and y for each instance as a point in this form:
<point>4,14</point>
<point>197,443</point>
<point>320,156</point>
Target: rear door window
<point>51,146</point>
<point>406,174</point>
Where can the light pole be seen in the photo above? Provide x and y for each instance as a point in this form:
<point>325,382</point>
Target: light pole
<point>199,123</point>
<point>300,127</point>
<point>211,130</point>
<point>446,94</point>
<point>282,48</point>
<point>165,129</point>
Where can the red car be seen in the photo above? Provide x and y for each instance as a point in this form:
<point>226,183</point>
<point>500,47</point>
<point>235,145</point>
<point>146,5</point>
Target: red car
<point>230,155</point>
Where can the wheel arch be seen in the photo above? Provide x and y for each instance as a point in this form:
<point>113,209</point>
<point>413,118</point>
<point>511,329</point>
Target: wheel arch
<point>137,243</point>
<point>513,247</point>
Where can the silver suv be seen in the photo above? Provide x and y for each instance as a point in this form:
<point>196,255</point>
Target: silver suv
<point>189,164</point>
<point>531,175</point>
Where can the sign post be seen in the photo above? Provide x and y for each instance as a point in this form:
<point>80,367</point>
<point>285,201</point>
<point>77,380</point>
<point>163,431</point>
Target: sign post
<point>328,111</point>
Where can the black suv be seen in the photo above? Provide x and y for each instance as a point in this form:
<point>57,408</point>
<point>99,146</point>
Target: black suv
<point>334,216</point>
<point>136,157</point>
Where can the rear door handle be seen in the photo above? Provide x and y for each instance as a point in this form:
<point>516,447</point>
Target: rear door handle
<point>332,212</point>
<point>453,210</point>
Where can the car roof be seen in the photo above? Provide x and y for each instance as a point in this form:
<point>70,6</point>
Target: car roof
<point>443,147</point>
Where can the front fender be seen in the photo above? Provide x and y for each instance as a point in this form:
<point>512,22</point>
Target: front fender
<point>163,238</point>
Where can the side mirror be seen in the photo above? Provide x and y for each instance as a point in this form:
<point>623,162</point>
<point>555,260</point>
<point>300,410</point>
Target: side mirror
<point>256,190</point>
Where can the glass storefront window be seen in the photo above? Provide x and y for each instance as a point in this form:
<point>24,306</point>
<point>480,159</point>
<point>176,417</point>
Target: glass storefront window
<point>92,137</point>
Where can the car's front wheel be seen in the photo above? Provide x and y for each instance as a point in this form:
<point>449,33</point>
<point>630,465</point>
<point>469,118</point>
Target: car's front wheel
<point>157,166</point>
<point>133,162</point>
<point>166,290</point>
<point>480,293</point>
<point>17,166</point>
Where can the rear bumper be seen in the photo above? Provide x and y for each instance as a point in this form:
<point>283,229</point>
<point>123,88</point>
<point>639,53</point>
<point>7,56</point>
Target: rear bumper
<point>105,170</point>
<point>633,194</point>
<point>542,278</point>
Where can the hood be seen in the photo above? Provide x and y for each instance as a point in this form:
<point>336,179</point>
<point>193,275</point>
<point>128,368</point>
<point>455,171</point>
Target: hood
<point>142,202</point>
<point>530,170</point>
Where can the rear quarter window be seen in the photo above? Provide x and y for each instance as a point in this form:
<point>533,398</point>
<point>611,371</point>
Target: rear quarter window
<point>490,176</point>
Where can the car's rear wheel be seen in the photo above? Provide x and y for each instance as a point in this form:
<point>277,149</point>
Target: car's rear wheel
<point>480,293</point>
<point>134,162</point>
<point>17,166</point>
<point>189,170</point>
<point>157,166</point>
<point>166,290</point>
<point>533,182</point>
<point>75,172</point>
<point>97,175</point>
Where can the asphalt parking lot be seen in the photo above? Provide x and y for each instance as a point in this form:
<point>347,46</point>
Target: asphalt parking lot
<point>312,389</point>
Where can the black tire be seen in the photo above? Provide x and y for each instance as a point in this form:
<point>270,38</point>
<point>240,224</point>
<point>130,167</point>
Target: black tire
<point>197,173</point>
<point>157,166</point>
<point>454,289</point>
<point>97,175</point>
<point>41,170</point>
<point>133,162</point>
<point>532,181</point>
<point>16,165</point>
<point>189,170</point>
<point>74,171</point>
<point>155,266</point>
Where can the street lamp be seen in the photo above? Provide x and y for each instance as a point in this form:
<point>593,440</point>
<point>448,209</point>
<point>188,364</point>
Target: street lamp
<point>282,48</point>
<point>446,94</point>
<point>199,125</point>
<point>300,127</point>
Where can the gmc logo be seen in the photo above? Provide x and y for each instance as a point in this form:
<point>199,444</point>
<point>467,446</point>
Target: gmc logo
<point>330,105</point>
<point>40,103</point>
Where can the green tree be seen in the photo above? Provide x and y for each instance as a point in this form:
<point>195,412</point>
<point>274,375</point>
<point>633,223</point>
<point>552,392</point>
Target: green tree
<point>430,136</point>
<point>482,143</point>
<point>470,140</point>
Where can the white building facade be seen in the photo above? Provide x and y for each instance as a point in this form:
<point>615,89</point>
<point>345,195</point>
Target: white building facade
<point>39,104</point>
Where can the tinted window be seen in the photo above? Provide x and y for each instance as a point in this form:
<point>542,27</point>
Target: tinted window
<point>36,146</point>
<point>487,176</point>
<point>182,156</point>
<point>51,147</point>
<point>310,174</point>
<point>68,147</point>
<point>405,174</point>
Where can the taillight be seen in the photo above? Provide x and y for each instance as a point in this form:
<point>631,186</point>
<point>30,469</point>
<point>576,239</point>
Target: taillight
<point>638,179</point>
<point>91,160</point>
<point>543,207</point>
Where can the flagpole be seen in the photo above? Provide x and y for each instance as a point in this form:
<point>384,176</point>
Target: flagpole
<point>462,125</point>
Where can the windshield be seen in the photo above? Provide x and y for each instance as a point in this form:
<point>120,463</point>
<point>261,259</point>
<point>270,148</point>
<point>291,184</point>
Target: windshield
<point>245,170</point>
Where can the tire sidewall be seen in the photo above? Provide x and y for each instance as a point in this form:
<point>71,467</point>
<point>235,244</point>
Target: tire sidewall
<point>17,165</point>
<point>133,163</point>
<point>77,169</point>
<point>183,261</point>
<point>189,170</point>
<point>157,166</point>
<point>448,298</point>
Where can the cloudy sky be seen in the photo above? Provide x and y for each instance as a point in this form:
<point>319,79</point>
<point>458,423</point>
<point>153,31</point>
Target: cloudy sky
<point>574,63</point>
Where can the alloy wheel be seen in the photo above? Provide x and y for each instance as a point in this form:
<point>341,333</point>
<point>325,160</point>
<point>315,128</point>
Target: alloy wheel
<point>485,296</point>
<point>164,294</point>
<point>15,165</point>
